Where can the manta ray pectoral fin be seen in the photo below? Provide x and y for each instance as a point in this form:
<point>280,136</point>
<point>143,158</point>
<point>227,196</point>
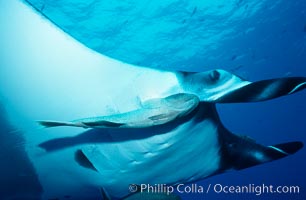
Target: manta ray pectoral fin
<point>287,148</point>
<point>241,153</point>
<point>264,90</point>
<point>278,151</point>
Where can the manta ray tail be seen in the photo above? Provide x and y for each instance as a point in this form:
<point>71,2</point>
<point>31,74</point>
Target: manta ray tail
<point>241,152</point>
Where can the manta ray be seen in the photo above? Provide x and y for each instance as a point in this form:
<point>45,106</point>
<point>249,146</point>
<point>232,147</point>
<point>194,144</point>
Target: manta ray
<point>184,127</point>
<point>140,123</point>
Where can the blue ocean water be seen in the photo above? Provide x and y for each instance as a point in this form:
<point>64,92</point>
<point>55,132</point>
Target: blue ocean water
<point>254,39</point>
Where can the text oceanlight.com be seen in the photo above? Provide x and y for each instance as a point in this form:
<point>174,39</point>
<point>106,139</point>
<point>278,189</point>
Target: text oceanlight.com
<point>216,188</point>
